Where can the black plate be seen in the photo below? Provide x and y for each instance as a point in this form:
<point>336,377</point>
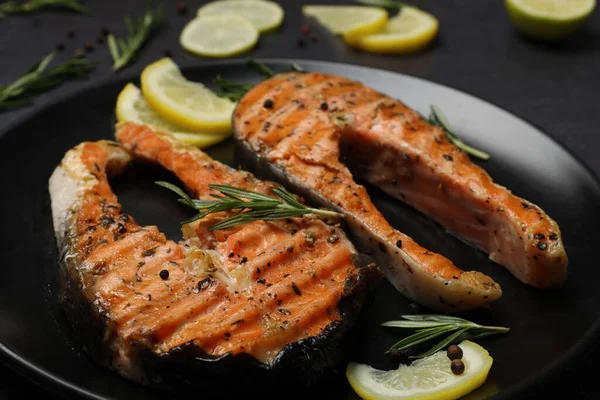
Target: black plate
<point>548,329</point>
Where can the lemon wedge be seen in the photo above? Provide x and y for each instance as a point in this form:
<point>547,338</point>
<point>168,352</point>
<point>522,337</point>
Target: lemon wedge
<point>190,105</point>
<point>220,36</point>
<point>352,22</point>
<point>132,107</point>
<point>548,19</point>
<point>264,15</point>
<point>428,378</point>
<point>411,30</point>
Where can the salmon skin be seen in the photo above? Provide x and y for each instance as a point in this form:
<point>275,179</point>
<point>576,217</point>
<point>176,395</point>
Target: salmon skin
<point>317,132</point>
<point>265,300</point>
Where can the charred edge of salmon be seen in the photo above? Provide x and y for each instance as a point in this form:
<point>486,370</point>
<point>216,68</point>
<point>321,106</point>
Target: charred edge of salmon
<point>300,364</point>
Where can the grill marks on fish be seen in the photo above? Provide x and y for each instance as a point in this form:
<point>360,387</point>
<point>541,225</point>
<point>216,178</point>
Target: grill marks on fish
<point>394,148</point>
<point>119,265</point>
<point>310,149</point>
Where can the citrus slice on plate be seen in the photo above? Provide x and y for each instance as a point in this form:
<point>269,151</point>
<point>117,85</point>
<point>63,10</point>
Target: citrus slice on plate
<point>220,36</point>
<point>188,104</point>
<point>352,22</point>
<point>411,30</point>
<point>264,15</point>
<point>132,107</point>
<point>428,378</point>
<point>548,19</point>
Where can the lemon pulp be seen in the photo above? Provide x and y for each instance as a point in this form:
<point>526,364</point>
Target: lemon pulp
<point>184,103</point>
<point>429,378</point>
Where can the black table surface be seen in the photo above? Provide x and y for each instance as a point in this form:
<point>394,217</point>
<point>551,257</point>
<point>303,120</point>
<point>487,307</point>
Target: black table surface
<point>554,86</point>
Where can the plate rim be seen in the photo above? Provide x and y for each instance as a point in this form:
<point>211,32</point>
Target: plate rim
<point>49,381</point>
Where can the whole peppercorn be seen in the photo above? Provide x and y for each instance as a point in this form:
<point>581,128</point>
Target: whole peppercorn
<point>268,103</point>
<point>458,367</point>
<point>454,352</point>
<point>88,46</point>
<point>181,7</point>
<point>164,274</point>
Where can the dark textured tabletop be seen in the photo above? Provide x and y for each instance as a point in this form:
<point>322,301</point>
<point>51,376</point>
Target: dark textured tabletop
<point>554,86</point>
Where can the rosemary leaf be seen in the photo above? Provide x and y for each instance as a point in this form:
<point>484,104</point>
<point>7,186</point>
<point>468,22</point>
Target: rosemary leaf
<point>396,5</point>
<point>38,79</point>
<point>442,344</point>
<point>297,68</point>
<point>139,30</point>
<point>17,7</point>
<point>249,206</point>
<point>260,67</point>
<point>438,118</point>
<point>431,326</point>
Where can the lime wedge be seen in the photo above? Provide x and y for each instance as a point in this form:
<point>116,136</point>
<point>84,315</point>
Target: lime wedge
<point>548,19</point>
<point>264,15</point>
<point>220,36</point>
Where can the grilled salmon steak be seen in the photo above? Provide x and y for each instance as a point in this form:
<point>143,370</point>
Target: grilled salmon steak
<point>318,132</point>
<point>265,299</point>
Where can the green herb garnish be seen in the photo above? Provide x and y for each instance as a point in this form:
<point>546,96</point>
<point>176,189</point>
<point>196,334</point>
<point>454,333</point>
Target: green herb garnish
<point>438,118</point>
<point>123,51</point>
<point>14,7</point>
<point>235,91</point>
<point>396,5</point>
<point>433,326</point>
<point>250,206</point>
<point>37,80</point>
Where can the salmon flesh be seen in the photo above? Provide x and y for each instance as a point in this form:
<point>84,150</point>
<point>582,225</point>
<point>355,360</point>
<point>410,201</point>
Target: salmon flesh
<point>261,300</point>
<point>319,132</point>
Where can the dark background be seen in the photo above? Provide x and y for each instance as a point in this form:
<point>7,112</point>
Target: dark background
<point>554,86</point>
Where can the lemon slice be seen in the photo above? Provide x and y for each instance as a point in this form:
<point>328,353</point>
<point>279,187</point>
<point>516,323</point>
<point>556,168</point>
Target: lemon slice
<point>190,105</point>
<point>352,22</point>
<point>548,19</point>
<point>411,30</point>
<point>132,107</point>
<point>264,15</point>
<point>220,36</point>
<point>428,378</point>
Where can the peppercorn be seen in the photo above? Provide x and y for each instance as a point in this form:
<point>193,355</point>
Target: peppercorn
<point>105,32</point>
<point>457,367</point>
<point>300,43</point>
<point>305,30</point>
<point>168,53</point>
<point>100,40</point>
<point>60,47</point>
<point>268,103</point>
<point>88,46</point>
<point>164,274</point>
<point>333,238</point>
<point>181,7</point>
<point>71,34</point>
<point>542,246</point>
<point>324,106</point>
<point>314,39</point>
<point>454,352</point>
<point>539,236</point>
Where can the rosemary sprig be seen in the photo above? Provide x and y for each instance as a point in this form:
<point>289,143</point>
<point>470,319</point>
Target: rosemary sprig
<point>37,80</point>
<point>396,5</point>
<point>15,7</point>
<point>433,326</point>
<point>124,50</point>
<point>250,206</point>
<point>235,91</point>
<point>438,118</point>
